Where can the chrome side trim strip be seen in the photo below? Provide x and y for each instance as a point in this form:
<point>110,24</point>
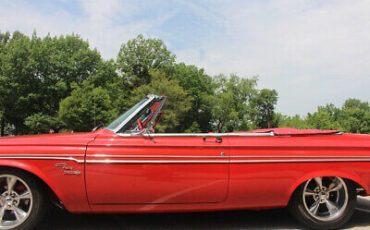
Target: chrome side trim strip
<point>301,160</point>
<point>108,161</point>
<point>151,156</point>
<point>299,156</point>
<point>41,155</point>
<point>43,158</point>
<point>223,157</point>
<point>269,134</point>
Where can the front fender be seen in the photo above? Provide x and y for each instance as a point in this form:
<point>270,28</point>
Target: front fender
<point>70,189</point>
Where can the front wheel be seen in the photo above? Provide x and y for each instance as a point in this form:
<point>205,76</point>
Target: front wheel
<point>22,203</point>
<point>324,202</point>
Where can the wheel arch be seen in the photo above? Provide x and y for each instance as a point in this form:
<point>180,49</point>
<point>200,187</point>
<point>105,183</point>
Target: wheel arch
<point>355,179</point>
<point>36,173</point>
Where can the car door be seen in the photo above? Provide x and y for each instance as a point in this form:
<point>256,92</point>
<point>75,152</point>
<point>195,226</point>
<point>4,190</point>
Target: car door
<point>156,169</point>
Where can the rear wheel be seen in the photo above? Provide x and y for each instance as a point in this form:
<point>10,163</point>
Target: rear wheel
<point>22,203</point>
<point>324,202</point>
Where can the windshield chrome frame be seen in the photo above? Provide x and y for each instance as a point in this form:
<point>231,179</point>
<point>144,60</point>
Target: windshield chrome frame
<point>150,98</point>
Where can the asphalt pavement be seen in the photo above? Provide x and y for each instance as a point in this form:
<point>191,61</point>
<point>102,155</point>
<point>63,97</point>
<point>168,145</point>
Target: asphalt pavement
<point>234,220</point>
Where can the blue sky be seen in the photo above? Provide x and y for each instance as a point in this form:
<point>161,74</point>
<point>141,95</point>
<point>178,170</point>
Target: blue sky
<point>312,52</point>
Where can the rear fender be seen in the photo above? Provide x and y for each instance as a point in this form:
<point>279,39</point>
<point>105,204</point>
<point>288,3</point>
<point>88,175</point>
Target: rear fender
<point>326,173</point>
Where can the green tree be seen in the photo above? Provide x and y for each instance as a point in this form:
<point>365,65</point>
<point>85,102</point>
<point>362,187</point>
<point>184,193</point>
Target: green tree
<point>107,78</point>
<point>263,106</point>
<point>230,108</point>
<point>178,100</point>
<point>139,55</point>
<point>105,74</point>
<point>4,38</point>
<point>41,123</point>
<point>352,117</point>
<point>326,118</point>
<point>36,73</point>
<point>87,107</point>
<point>355,116</point>
<point>294,122</point>
<point>224,114</point>
<point>2,124</point>
<point>200,86</point>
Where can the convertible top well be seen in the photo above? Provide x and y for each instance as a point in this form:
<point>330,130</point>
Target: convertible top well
<point>294,132</point>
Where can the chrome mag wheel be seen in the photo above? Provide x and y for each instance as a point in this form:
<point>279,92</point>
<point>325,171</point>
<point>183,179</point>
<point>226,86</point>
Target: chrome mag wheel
<point>325,198</point>
<point>15,201</point>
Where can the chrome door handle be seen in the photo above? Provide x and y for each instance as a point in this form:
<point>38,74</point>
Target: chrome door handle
<point>72,172</point>
<point>217,139</point>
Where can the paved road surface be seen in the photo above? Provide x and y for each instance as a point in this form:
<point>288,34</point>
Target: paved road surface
<point>266,219</point>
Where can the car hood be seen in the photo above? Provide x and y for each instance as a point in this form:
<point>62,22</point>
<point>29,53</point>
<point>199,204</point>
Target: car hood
<point>50,139</point>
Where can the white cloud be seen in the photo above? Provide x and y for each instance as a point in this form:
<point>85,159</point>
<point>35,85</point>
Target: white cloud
<point>312,52</point>
<point>99,21</point>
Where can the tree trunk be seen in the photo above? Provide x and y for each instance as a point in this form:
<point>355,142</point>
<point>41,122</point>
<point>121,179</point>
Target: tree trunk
<point>3,127</point>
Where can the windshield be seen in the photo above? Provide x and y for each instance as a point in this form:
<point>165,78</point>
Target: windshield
<point>122,118</point>
<point>144,117</point>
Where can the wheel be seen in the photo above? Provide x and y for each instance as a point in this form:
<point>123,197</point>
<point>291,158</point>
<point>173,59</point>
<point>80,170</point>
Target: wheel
<point>22,203</point>
<point>324,202</point>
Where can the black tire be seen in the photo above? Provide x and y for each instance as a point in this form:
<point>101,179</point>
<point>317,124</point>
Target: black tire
<point>299,211</point>
<point>40,203</point>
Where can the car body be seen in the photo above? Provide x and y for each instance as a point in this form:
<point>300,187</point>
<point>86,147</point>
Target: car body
<point>128,168</point>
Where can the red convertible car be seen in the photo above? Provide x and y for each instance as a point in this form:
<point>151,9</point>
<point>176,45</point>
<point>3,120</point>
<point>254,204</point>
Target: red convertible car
<point>127,167</point>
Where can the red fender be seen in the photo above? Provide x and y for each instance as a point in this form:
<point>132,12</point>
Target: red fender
<point>326,173</point>
<point>72,202</point>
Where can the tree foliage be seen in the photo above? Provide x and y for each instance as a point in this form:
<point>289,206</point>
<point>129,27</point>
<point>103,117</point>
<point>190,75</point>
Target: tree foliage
<point>325,118</point>
<point>352,117</point>
<point>61,83</point>
<point>42,123</point>
<point>263,107</point>
<point>295,121</point>
<point>230,104</point>
<point>37,73</point>
<point>139,55</point>
<point>200,86</point>
<point>355,116</point>
<point>86,108</point>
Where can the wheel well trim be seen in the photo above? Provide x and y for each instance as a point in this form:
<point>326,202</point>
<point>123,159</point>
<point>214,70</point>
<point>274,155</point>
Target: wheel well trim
<point>34,171</point>
<point>326,173</point>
